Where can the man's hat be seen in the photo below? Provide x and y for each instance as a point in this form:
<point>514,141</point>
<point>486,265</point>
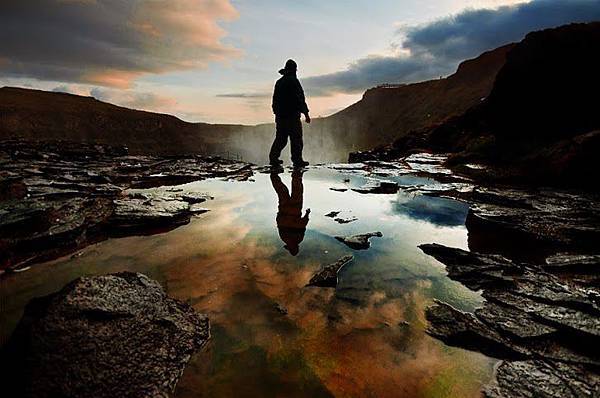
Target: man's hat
<point>290,66</point>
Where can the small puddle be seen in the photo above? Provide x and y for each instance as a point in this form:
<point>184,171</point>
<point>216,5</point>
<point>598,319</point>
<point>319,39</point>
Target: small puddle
<point>271,335</point>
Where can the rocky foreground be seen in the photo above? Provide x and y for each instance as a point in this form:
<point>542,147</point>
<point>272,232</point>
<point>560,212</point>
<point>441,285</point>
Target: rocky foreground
<point>545,326</point>
<point>57,197</point>
<point>115,335</point>
<point>535,257</point>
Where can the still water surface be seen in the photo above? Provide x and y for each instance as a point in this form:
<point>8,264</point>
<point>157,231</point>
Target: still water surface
<point>271,335</point>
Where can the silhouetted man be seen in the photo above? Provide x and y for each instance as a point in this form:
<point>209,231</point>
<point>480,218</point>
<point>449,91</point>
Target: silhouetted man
<point>290,223</point>
<point>288,104</point>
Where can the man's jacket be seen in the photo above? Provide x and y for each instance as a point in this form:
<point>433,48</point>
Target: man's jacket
<point>288,97</point>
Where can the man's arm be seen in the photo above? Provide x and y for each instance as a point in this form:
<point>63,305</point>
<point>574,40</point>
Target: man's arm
<point>275,100</point>
<point>302,101</point>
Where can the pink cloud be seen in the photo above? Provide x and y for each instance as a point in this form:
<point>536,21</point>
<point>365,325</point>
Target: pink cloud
<point>111,43</point>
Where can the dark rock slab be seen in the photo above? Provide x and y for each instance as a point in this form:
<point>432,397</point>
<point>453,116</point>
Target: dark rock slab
<point>546,328</point>
<point>535,378</point>
<point>57,197</point>
<point>570,262</point>
<point>359,242</point>
<point>105,336</point>
<point>140,213</point>
<point>338,189</point>
<point>472,269</point>
<point>462,329</point>
<point>328,275</point>
<point>332,214</point>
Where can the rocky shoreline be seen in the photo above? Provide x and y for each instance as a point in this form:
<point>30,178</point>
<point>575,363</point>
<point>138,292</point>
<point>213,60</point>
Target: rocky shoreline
<point>534,255</point>
<point>533,251</point>
<point>57,197</point>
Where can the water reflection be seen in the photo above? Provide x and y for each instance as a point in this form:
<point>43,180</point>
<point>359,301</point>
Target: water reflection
<point>290,222</point>
<point>439,211</point>
<point>365,338</point>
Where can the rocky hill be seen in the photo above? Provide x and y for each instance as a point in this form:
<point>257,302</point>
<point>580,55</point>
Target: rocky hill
<point>41,115</point>
<point>386,113</point>
<point>382,115</point>
<point>540,123</point>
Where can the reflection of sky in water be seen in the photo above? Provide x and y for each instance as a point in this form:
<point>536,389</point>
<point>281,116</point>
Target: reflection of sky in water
<point>438,211</point>
<point>350,341</point>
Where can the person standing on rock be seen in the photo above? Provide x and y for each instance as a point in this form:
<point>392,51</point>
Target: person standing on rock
<point>288,105</point>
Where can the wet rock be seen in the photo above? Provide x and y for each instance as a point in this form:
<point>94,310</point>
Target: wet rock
<point>359,242</point>
<point>511,321</point>
<point>139,213</point>
<point>328,275</point>
<point>556,219</point>
<point>35,230</point>
<point>462,329</point>
<point>534,378</point>
<point>472,269</point>
<point>103,336</point>
<point>528,224</point>
<point>549,326</point>
<point>57,197</point>
<point>338,189</point>
<point>566,262</point>
<point>381,187</point>
<point>332,214</point>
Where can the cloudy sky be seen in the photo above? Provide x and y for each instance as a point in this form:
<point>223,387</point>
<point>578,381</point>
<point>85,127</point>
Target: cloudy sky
<point>216,60</point>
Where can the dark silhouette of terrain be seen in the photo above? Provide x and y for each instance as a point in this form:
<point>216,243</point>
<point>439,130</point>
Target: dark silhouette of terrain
<point>389,112</point>
<point>382,115</point>
<point>45,116</point>
<point>540,123</point>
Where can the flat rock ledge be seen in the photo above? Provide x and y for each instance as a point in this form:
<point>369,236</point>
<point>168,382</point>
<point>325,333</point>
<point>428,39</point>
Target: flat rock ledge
<point>115,335</point>
<point>359,242</point>
<point>328,275</point>
<point>58,197</point>
<point>543,325</point>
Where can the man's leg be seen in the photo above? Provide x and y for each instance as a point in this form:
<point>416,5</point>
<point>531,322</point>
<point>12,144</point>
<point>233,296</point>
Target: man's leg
<point>279,143</point>
<point>296,141</point>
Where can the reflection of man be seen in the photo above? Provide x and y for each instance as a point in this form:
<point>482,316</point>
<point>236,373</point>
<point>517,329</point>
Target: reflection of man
<point>290,223</point>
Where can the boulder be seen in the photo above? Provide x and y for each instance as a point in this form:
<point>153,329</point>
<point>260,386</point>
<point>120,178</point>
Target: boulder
<point>115,335</point>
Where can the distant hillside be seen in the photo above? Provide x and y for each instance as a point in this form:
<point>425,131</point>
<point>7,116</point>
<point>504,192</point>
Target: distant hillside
<point>42,115</point>
<point>541,121</point>
<point>385,114</point>
<point>382,115</point>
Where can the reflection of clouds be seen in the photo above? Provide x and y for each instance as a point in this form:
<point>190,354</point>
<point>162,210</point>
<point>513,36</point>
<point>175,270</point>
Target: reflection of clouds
<point>439,211</point>
<point>230,265</point>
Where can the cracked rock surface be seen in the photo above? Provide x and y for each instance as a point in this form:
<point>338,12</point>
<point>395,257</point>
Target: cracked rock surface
<point>545,326</point>
<point>116,335</point>
<point>57,197</point>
